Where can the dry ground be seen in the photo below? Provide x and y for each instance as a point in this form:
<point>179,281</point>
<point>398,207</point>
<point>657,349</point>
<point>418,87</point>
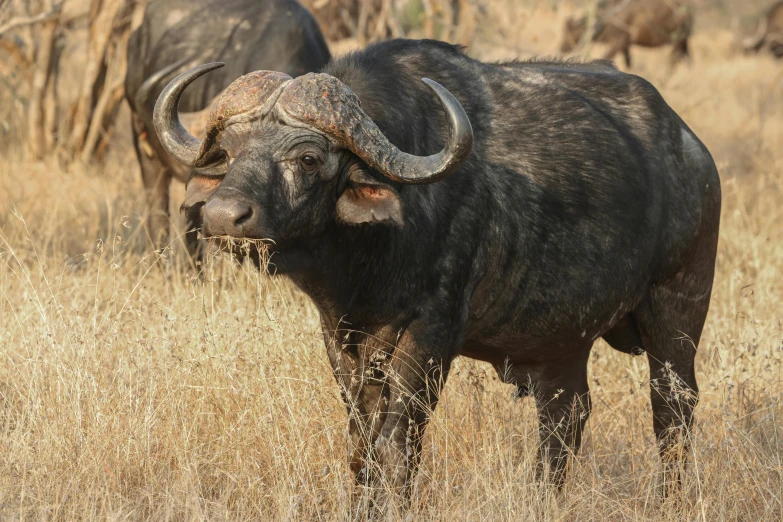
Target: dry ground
<point>130,390</point>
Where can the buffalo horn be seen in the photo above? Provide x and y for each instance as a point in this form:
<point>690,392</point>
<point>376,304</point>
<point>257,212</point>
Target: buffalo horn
<point>177,141</point>
<point>326,104</point>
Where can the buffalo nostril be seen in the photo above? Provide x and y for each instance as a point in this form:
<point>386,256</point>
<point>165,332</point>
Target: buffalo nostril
<point>243,215</point>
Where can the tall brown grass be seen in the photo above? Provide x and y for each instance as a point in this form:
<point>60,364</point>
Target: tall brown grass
<point>131,389</point>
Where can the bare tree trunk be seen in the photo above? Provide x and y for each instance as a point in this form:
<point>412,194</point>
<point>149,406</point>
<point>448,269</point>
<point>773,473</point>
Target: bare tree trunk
<point>449,20</point>
<point>361,22</point>
<point>110,97</point>
<point>26,31</point>
<point>586,42</point>
<point>429,19</point>
<point>394,27</point>
<point>102,16</point>
<point>36,143</point>
<point>113,89</point>
<point>465,22</point>
<point>386,24</point>
<point>35,50</point>
<point>50,107</point>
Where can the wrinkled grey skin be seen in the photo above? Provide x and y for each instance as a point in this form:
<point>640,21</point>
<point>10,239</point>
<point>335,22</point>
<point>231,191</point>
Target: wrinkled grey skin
<point>177,34</point>
<point>586,209</point>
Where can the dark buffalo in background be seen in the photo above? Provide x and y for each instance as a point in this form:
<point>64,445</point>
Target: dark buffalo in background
<point>622,23</point>
<point>247,34</point>
<point>587,208</point>
<point>769,32</point>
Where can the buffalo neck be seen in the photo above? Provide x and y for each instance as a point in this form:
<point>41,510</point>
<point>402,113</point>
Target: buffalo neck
<point>368,271</point>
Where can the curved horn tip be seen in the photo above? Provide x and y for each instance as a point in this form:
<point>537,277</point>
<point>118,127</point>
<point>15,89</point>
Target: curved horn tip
<point>204,68</point>
<point>143,93</point>
<point>407,168</point>
<point>177,141</point>
<point>432,84</point>
<point>462,130</point>
<point>191,74</point>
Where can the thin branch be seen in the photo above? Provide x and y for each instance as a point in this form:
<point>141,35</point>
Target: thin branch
<point>102,18</point>
<point>36,128</point>
<point>29,20</point>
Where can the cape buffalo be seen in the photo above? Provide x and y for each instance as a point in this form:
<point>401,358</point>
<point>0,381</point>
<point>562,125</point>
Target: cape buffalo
<point>248,34</point>
<point>621,23</point>
<point>769,32</point>
<point>512,213</point>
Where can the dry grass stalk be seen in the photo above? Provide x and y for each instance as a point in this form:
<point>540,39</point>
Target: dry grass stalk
<point>41,81</point>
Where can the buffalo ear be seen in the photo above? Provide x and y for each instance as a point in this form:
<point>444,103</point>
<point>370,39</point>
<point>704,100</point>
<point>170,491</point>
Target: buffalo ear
<point>366,200</point>
<point>198,189</point>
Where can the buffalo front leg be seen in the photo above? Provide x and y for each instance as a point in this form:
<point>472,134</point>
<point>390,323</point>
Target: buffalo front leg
<point>364,392</point>
<point>366,413</point>
<point>563,402</point>
<point>415,380</point>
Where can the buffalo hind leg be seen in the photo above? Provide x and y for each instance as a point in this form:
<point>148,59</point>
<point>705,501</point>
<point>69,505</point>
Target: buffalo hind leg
<point>670,321</point>
<point>563,402</point>
<point>156,184</point>
<point>156,180</point>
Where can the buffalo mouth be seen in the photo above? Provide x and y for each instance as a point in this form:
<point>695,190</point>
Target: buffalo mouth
<point>259,251</point>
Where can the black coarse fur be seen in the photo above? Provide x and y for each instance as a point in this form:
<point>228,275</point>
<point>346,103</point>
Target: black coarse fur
<point>565,156</point>
<point>587,209</point>
<point>248,35</point>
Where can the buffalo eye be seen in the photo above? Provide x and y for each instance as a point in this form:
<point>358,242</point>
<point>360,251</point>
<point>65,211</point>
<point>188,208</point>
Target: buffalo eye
<point>309,162</point>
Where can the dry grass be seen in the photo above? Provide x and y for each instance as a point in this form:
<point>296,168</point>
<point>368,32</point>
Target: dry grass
<point>130,390</point>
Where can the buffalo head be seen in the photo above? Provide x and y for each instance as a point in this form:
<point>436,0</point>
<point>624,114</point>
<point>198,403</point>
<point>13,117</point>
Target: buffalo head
<point>282,158</point>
